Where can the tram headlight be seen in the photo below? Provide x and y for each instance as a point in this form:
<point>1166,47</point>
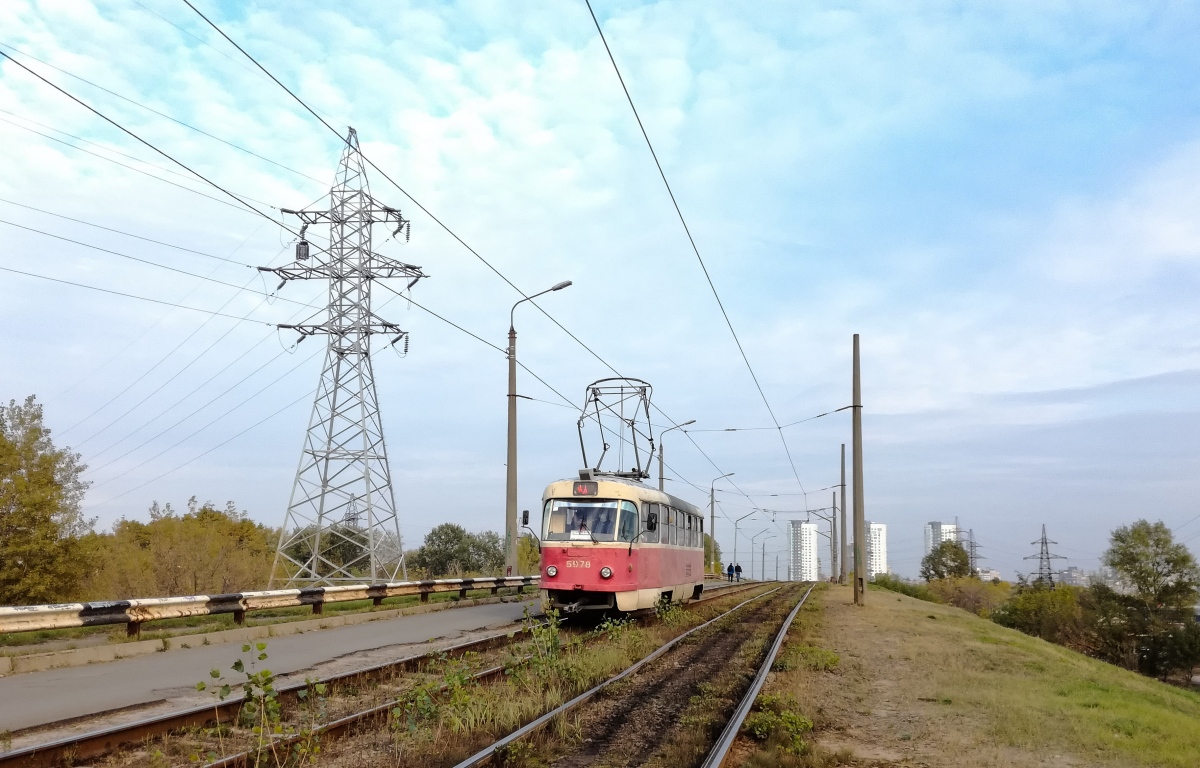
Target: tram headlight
<point>551,571</point>
<point>606,572</point>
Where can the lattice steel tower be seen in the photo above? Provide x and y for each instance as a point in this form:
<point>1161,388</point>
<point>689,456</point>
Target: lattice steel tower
<point>1045,567</point>
<point>341,524</point>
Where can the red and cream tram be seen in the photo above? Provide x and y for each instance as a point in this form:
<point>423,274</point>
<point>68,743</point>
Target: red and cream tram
<point>612,542</point>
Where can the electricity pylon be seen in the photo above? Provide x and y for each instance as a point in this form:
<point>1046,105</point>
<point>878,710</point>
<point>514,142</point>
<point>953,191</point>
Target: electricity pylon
<point>341,524</point>
<point>973,556</point>
<point>1045,571</point>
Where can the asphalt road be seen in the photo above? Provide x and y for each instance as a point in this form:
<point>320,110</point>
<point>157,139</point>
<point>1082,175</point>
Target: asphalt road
<point>38,698</point>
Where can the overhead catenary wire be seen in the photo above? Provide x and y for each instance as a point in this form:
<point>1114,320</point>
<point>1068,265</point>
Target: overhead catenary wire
<point>692,241</point>
<point>785,426</point>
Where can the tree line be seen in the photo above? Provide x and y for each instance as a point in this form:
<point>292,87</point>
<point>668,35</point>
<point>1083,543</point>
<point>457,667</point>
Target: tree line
<point>1146,624</point>
<point>49,552</point>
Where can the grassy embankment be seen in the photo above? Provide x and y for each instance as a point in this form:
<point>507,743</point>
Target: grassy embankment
<point>904,682</point>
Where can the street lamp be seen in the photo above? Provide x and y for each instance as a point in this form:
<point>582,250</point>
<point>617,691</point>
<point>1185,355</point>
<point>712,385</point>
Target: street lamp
<point>510,502</point>
<point>752,538</point>
<point>735,533</point>
<point>661,435</point>
<point>712,517</point>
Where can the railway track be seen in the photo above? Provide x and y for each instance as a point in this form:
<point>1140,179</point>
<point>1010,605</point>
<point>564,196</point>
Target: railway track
<point>104,742</point>
<point>627,727</point>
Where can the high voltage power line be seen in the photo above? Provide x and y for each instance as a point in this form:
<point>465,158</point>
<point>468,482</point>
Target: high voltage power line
<point>438,221</point>
<point>161,114</point>
<point>132,296</point>
<point>122,232</point>
<point>692,241</point>
<point>253,209</point>
<point>135,170</point>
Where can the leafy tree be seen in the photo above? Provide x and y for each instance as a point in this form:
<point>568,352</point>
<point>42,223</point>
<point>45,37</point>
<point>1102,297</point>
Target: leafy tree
<point>1164,577</point>
<point>342,545</point>
<point>529,555</point>
<point>1183,648</point>
<point>947,560</point>
<point>709,557</point>
<point>1051,613</point>
<point>41,522</point>
<point>206,550</point>
<point>449,550</point>
<point>971,594</point>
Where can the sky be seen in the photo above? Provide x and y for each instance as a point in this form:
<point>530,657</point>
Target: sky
<point>999,198</point>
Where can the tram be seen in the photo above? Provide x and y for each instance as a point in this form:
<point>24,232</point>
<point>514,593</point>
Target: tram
<point>611,542</point>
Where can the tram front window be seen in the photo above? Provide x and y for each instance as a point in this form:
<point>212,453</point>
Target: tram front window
<point>581,520</point>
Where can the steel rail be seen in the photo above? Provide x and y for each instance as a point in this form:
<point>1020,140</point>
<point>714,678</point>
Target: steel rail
<point>485,755</point>
<point>106,740</point>
<point>720,750</point>
<point>337,728</point>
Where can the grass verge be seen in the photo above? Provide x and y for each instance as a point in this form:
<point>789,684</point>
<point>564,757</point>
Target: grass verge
<point>920,683</point>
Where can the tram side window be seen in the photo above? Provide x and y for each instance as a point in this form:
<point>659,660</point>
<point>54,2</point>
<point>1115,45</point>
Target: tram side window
<point>687,533</point>
<point>673,535</point>
<point>692,531</point>
<point>628,527</point>
<point>651,537</point>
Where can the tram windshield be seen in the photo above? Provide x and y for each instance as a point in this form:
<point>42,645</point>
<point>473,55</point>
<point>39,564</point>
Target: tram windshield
<point>576,520</point>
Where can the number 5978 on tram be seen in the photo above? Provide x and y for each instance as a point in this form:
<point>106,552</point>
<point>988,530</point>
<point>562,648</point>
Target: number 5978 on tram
<point>611,542</point>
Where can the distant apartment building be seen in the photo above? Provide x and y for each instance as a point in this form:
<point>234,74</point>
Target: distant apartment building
<point>876,549</point>
<point>1075,577</point>
<point>988,574</point>
<point>936,533</point>
<point>802,551</point>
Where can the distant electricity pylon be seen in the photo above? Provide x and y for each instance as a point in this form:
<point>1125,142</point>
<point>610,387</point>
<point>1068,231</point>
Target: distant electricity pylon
<point>341,524</point>
<point>1045,570</point>
<point>973,556</point>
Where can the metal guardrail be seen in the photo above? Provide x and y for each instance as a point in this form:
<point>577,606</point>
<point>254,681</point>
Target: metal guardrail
<point>134,613</point>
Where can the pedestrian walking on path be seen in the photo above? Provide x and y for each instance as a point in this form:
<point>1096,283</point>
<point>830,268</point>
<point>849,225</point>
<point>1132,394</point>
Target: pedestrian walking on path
<point>729,571</point>
<point>737,569</point>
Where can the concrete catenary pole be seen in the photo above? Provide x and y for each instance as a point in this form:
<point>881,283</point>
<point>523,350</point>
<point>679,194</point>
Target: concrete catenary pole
<point>845,530</point>
<point>860,538</point>
<point>714,566</point>
<point>510,498</point>
<point>833,539</point>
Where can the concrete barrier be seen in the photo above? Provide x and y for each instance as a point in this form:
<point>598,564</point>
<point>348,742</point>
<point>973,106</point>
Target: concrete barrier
<point>134,613</point>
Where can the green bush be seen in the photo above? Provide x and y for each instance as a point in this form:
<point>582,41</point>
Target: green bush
<point>777,724</point>
<point>895,584</point>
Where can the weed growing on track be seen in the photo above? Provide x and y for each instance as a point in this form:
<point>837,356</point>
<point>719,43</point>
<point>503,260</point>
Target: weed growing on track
<point>671,614</point>
<point>432,727</point>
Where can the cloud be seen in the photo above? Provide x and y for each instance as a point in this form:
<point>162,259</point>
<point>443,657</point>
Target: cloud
<point>997,199</point>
